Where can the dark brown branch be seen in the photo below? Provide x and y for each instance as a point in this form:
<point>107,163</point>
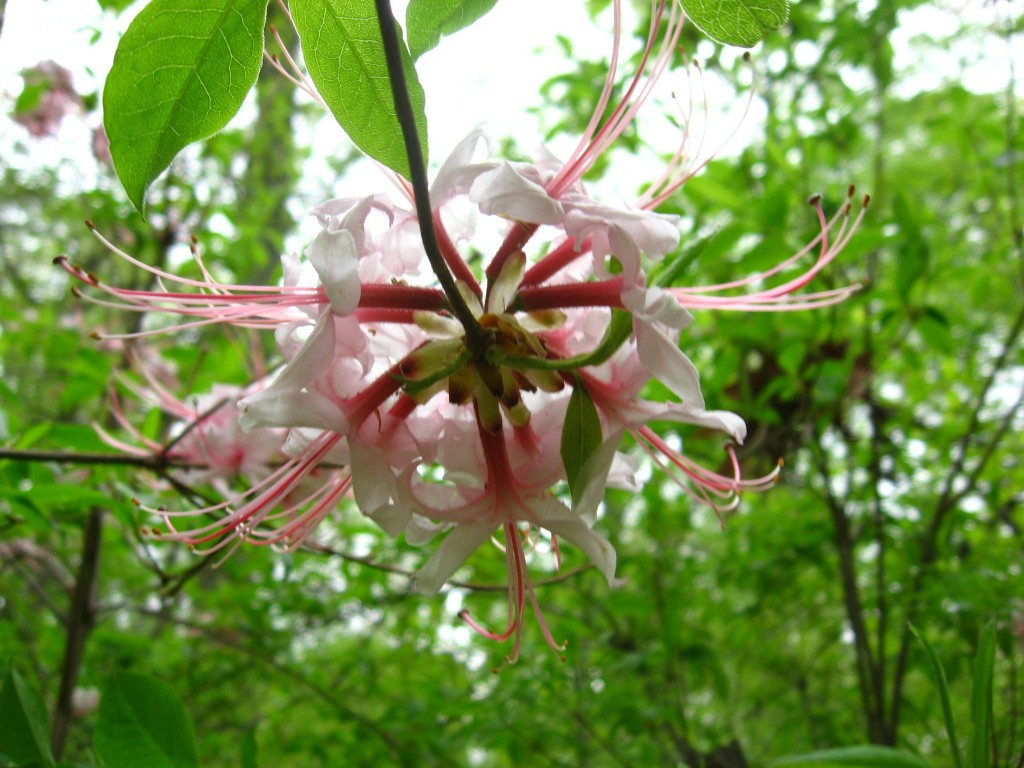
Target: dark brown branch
<point>155,462</point>
<point>80,620</point>
<point>844,539</point>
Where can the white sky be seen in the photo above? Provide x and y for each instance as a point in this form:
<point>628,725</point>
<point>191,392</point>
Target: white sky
<point>489,74</point>
<point>497,62</point>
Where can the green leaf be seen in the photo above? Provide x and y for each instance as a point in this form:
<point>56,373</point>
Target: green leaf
<point>143,724</point>
<point>980,746</point>
<point>24,726</point>
<point>344,53</point>
<point>737,22</point>
<point>114,5</point>
<point>581,433</point>
<point>947,709</point>
<point>180,73</point>
<point>249,749</point>
<point>429,20</point>
<point>867,756</point>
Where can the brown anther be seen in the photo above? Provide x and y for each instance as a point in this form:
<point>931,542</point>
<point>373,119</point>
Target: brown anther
<point>96,335</point>
<point>511,398</point>
<point>867,199</point>
<point>457,393</point>
<point>851,190</point>
<point>90,225</point>
<point>136,502</point>
<point>814,199</point>
<point>76,292</point>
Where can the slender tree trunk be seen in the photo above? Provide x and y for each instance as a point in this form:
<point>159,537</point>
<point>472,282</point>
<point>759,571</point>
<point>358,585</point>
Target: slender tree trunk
<point>80,619</point>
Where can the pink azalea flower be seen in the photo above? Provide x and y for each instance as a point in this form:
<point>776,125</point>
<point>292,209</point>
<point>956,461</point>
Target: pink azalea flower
<point>453,427</point>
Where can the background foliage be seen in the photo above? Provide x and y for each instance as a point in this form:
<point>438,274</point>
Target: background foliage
<point>898,414</point>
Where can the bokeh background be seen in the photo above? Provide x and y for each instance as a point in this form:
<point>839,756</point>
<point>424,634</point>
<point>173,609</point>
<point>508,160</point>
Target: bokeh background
<point>898,414</point>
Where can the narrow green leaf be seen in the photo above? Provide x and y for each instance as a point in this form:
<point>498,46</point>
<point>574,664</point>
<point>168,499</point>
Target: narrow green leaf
<point>344,53</point>
<point>581,433</point>
<point>737,22</point>
<point>180,73</point>
<point>143,724</point>
<point>430,20</point>
<point>979,749</point>
<point>24,726</point>
<point>249,749</point>
<point>867,756</point>
<point>947,709</point>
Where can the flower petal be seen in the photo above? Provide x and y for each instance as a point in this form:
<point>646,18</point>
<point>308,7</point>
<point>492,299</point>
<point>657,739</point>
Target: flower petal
<point>286,402</point>
<point>336,260</point>
<point>666,362</point>
<point>505,191</point>
<point>459,171</point>
<point>596,547</point>
<point>453,552</point>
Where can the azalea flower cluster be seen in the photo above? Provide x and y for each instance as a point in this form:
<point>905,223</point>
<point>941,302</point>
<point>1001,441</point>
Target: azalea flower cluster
<point>205,444</point>
<point>500,421</point>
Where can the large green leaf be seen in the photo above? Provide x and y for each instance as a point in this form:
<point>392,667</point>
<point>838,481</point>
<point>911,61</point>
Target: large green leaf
<point>980,747</point>
<point>867,756</point>
<point>24,727</point>
<point>143,724</point>
<point>180,73</point>
<point>344,53</point>
<point>430,20</point>
<point>737,22</point>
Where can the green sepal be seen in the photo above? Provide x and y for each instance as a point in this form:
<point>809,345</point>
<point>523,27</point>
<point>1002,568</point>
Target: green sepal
<point>619,329</point>
<point>451,355</point>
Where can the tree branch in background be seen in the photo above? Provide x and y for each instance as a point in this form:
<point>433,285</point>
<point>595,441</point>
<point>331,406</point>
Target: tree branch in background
<point>948,499</point>
<point>80,620</point>
<point>845,543</point>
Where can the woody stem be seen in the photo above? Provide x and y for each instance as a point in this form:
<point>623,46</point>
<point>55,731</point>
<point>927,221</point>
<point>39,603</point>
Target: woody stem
<point>475,336</point>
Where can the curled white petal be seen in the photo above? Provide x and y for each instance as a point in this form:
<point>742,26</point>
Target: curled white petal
<point>507,191</point>
<point>595,546</point>
<point>336,260</point>
<point>456,548</point>
<point>286,402</point>
<point>663,359</point>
